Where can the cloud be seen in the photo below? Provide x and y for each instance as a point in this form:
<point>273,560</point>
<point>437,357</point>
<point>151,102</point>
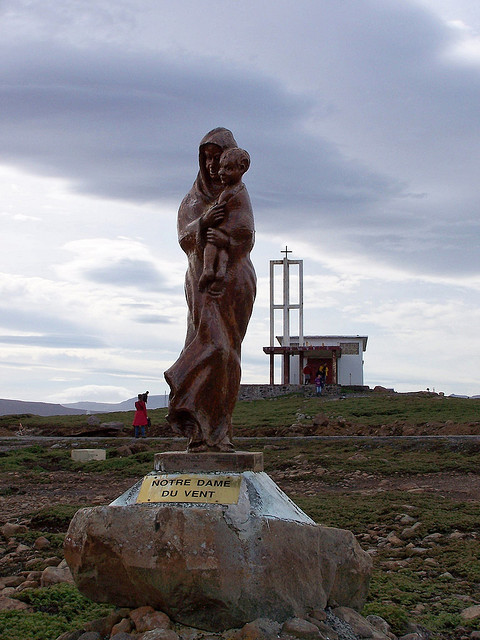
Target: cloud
<point>127,272</point>
<point>134,117</point>
<point>116,262</point>
<point>59,99</point>
<point>57,341</point>
<point>92,393</point>
<point>20,217</point>
<point>153,319</point>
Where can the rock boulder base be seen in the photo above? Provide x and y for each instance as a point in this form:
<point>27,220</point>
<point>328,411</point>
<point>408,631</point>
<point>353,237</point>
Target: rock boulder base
<point>215,566</point>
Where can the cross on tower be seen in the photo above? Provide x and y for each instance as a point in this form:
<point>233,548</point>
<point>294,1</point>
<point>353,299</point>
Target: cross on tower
<point>286,251</point>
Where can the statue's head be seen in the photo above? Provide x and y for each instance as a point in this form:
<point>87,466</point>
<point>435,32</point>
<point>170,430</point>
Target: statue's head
<point>213,144</point>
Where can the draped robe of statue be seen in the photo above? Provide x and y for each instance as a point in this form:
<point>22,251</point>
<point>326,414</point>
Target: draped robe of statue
<point>205,379</point>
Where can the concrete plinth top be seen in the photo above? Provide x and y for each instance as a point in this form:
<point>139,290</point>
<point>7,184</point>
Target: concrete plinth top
<point>183,461</point>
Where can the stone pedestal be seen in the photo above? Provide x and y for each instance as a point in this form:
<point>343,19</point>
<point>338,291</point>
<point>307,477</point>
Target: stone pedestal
<point>215,566</point>
<point>236,462</point>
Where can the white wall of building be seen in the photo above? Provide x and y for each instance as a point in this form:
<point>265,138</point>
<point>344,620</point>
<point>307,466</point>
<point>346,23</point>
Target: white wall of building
<point>349,365</point>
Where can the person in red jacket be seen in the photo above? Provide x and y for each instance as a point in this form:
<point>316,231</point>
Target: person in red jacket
<point>140,420</point>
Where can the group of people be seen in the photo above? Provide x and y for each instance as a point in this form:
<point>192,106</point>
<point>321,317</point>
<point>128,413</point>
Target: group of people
<point>320,377</point>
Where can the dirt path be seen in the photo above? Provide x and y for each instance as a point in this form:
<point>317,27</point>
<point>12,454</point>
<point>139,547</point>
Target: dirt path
<point>25,495</point>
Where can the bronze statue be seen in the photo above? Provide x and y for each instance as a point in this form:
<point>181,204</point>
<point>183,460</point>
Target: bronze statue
<point>216,231</point>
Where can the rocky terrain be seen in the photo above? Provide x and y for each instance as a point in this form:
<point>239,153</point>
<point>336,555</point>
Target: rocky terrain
<point>30,566</point>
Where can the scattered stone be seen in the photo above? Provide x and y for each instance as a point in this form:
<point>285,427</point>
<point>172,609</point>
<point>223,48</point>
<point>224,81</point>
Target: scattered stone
<point>153,620</point>
<point>112,426</point>
<point>11,529</point>
<point>456,535</point>
<point>124,451</point>
<point>55,575</point>
<point>90,635</point>
<point>358,623</point>
<point>471,613</point>
<point>104,625</point>
<point>71,635</point>
<point>394,540</point>
<point>146,619</point>
<point>54,561</point>
<point>299,628</point>
<point>28,584</point>
<point>11,581</point>
<point>11,604</point>
<point>189,633</point>
<point>446,576</point>
<point>260,629</point>
<point>411,532</point>
<point>41,543</point>
<point>433,537</point>
<point>393,565</point>
<point>340,627</point>
<point>360,457</point>
<point>327,633</point>
<point>125,625</point>
<point>158,634</point>
<point>418,551</point>
<point>419,608</point>
<point>379,623</point>
<point>22,548</point>
<point>123,635</point>
<point>319,614</point>
<point>139,612</point>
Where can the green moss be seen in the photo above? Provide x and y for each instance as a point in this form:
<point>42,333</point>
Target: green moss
<point>136,465</point>
<point>20,625</point>
<point>393,614</point>
<point>55,610</point>
<point>54,518</point>
<point>35,459</point>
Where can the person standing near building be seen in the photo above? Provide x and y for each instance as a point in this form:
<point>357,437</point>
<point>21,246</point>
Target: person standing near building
<point>140,420</point>
<point>307,372</point>
<point>323,374</point>
<point>318,384</point>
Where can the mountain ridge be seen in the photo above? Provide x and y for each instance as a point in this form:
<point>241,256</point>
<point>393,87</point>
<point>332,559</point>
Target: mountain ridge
<point>46,409</point>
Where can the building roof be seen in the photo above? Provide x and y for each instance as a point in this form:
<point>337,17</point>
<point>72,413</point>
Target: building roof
<point>339,339</point>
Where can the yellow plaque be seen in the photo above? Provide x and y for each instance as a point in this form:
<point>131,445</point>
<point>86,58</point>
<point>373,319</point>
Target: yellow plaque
<point>188,487</point>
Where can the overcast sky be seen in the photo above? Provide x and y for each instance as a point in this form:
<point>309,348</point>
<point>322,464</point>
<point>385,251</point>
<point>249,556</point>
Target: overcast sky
<point>362,121</point>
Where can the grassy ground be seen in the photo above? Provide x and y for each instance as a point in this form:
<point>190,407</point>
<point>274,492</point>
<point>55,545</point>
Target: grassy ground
<point>370,409</point>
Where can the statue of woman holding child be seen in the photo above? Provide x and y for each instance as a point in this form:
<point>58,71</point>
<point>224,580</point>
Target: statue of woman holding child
<point>216,231</point>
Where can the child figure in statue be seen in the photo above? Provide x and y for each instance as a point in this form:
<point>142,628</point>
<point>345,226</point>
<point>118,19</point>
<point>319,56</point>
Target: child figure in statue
<point>233,164</point>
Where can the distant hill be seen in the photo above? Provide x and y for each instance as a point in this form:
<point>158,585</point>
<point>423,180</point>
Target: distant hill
<point>15,407</point>
<point>154,402</point>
